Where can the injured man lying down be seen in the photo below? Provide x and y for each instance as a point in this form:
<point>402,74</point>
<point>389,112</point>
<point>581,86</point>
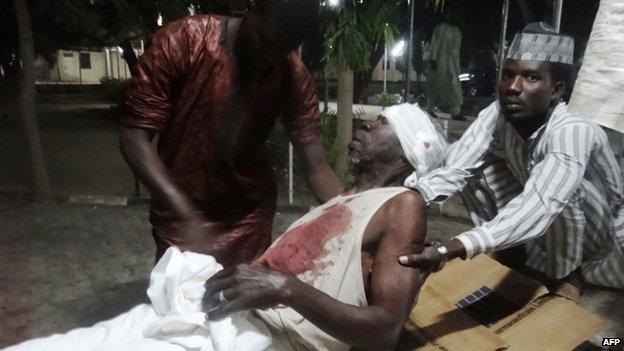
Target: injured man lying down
<point>332,281</point>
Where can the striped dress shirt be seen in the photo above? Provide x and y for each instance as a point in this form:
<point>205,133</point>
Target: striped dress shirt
<point>563,196</point>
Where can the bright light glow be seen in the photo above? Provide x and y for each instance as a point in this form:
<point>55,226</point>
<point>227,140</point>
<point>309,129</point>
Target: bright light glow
<point>464,77</point>
<point>398,49</point>
<point>120,49</point>
<point>334,3</point>
<point>159,20</point>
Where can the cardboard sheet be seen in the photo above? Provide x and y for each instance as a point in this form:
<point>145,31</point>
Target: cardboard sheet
<point>482,305</point>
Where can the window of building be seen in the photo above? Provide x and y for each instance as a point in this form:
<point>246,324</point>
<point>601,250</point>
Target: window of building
<point>85,60</point>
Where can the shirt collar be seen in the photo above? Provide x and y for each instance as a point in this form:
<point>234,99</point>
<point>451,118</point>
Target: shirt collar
<point>558,113</point>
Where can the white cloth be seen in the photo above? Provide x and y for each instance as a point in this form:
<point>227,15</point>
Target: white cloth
<point>174,321</point>
<point>424,146</point>
<point>599,91</point>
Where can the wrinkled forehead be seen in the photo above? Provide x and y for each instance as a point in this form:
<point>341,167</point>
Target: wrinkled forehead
<point>519,66</point>
<point>387,129</point>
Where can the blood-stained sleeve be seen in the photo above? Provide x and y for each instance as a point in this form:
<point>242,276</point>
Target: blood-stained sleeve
<point>149,98</point>
<point>302,116</point>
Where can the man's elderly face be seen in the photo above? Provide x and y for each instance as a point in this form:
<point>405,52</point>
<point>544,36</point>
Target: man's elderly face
<point>374,140</point>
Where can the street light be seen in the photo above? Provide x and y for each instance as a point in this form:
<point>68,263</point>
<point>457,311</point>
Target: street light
<point>398,49</point>
<point>385,67</point>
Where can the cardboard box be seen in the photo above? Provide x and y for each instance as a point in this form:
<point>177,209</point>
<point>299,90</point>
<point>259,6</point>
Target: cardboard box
<point>482,305</point>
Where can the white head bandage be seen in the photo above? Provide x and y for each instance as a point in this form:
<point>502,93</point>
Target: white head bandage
<point>424,146</point>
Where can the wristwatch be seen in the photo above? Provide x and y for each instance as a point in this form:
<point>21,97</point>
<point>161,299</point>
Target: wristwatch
<point>444,254</point>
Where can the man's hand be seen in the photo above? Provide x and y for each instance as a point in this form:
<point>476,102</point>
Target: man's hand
<point>197,236</point>
<point>243,287</point>
<point>427,261</point>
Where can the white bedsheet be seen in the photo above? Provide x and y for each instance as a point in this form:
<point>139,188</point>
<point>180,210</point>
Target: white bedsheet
<point>174,321</point>
<point>599,91</point>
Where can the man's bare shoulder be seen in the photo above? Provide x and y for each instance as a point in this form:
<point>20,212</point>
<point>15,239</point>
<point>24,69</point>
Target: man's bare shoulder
<point>403,216</point>
<point>406,218</point>
<point>408,202</point>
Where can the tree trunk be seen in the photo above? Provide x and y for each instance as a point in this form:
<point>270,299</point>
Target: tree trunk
<point>344,127</point>
<point>41,184</point>
<point>325,91</point>
<point>130,57</point>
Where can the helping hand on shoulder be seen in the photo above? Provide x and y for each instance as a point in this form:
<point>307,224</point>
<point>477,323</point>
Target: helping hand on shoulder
<point>433,258</point>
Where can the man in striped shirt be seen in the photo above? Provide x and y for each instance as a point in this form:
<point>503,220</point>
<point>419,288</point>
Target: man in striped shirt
<point>533,177</point>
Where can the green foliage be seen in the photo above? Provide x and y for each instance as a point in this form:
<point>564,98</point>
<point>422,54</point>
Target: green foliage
<point>328,131</point>
<point>363,25</point>
<point>114,89</point>
<point>277,145</point>
<point>386,99</point>
<point>110,22</point>
<point>278,141</point>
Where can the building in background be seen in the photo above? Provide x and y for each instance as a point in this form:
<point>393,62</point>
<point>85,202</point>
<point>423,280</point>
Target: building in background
<point>86,66</point>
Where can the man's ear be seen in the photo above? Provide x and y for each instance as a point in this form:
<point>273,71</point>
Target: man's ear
<point>406,163</point>
<point>558,92</point>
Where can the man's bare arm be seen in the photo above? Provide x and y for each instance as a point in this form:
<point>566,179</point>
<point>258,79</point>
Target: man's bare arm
<point>140,154</point>
<point>321,177</point>
<point>393,287</point>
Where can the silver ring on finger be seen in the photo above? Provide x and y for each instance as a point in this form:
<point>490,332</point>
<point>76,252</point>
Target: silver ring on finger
<point>221,297</point>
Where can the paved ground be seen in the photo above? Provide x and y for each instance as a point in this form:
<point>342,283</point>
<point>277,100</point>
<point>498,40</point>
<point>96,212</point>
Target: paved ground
<point>65,266</point>
<point>80,149</point>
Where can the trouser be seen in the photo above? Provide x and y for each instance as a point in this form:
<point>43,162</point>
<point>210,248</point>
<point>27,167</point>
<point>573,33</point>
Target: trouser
<point>569,240</point>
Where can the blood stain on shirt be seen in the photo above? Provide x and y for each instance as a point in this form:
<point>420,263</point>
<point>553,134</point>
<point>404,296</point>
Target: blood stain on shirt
<point>300,247</point>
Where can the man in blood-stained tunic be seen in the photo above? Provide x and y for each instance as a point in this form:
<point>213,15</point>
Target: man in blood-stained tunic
<point>211,88</point>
